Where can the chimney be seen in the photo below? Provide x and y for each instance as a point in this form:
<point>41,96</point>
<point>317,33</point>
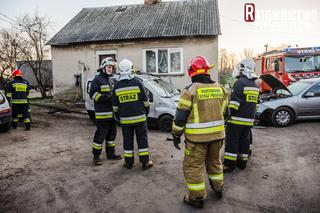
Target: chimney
<point>152,1</point>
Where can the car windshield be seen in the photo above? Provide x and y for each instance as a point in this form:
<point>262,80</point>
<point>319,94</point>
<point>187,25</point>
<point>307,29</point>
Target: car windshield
<point>163,88</point>
<point>297,87</point>
<point>302,64</point>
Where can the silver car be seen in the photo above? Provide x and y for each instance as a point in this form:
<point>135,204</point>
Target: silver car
<point>284,105</point>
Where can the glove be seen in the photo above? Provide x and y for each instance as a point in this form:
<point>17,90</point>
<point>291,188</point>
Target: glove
<point>176,141</point>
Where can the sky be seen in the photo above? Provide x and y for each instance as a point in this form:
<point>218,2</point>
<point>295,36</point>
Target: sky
<point>277,22</point>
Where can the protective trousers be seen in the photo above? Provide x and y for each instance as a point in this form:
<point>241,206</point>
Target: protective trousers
<point>250,146</point>
<point>17,111</point>
<point>106,130</point>
<point>237,145</point>
<point>199,156</point>
<point>142,139</point>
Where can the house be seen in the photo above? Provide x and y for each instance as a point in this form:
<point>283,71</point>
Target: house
<point>46,71</point>
<point>159,37</point>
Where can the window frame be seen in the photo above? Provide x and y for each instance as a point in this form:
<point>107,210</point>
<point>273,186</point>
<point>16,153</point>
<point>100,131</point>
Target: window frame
<point>170,50</point>
<point>310,90</point>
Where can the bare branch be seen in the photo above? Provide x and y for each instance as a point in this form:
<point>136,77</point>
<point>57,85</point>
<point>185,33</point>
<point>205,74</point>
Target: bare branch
<point>34,33</point>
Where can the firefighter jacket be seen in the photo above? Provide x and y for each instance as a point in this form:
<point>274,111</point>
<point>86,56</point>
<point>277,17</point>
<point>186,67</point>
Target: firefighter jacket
<point>100,93</point>
<point>200,112</point>
<point>130,102</point>
<point>18,91</point>
<point>244,98</point>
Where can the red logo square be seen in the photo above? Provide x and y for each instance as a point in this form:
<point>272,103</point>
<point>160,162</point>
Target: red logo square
<point>249,12</point>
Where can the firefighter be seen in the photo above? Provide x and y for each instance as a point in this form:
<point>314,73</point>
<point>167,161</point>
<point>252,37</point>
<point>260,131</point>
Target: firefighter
<point>200,116</point>
<point>17,93</point>
<point>100,93</point>
<point>131,107</point>
<point>242,106</point>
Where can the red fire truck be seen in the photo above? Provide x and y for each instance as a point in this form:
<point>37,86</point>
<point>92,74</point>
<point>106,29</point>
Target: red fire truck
<point>289,65</point>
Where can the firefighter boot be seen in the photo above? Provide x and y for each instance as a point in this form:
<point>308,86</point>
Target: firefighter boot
<point>217,189</point>
<point>147,165</point>
<point>128,166</point>
<point>111,155</point>
<point>14,125</point>
<point>228,169</point>
<point>96,160</point>
<point>218,192</point>
<point>198,202</point>
<point>27,126</point>
<point>242,164</point>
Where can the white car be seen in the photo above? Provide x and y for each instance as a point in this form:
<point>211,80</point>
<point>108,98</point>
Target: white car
<point>163,100</point>
<point>5,113</point>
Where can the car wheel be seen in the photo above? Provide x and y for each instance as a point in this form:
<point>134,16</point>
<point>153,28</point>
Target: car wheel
<point>165,123</point>
<point>5,127</point>
<point>282,117</point>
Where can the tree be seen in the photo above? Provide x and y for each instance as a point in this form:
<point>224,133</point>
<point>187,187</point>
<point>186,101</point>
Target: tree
<point>227,62</point>
<point>223,60</point>
<point>33,34</point>
<point>247,53</point>
<point>9,53</point>
<point>233,60</point>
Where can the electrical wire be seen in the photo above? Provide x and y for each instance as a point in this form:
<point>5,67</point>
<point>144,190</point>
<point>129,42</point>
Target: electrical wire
<point>7,17</point>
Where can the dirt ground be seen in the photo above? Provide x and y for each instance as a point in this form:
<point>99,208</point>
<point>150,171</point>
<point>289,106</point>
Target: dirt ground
<point>49,169</point>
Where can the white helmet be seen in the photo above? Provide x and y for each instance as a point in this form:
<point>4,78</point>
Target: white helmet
<point>107,62</point>
<point>246,67</point>
<point>125,67</point>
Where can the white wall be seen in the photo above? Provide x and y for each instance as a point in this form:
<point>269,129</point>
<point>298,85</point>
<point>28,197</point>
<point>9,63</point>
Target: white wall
<point>66,60</point>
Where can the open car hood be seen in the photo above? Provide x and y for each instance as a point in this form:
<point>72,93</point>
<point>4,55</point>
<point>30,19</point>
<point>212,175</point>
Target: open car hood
<point>274,82</point>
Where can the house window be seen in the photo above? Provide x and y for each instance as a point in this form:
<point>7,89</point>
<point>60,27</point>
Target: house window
<point>163,61</point>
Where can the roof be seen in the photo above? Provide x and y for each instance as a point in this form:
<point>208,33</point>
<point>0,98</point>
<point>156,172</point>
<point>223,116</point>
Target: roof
<point>162,20</point>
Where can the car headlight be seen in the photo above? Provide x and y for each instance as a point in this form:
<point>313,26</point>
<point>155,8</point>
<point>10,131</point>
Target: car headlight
<point>262,107</point>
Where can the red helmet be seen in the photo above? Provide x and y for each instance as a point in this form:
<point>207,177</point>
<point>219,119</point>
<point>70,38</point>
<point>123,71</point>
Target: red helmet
<point>17,73</point>
<point>199,65</point>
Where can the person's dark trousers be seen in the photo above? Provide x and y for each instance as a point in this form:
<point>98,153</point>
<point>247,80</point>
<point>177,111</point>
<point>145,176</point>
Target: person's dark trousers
<point>106,130</point>
<point>110,137</point>
<point>237,146</point>
<point>21,109</point>
<point>142,140</point>
<point>251,146</point>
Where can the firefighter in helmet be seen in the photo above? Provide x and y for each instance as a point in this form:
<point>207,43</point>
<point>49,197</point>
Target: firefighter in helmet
<point>200,116</point>
<point>242,106</point>
<point>131,108</point>
<point>17,94</point>
<point>100,93</point>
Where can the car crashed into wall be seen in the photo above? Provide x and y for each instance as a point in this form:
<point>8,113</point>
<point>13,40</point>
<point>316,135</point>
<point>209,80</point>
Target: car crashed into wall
<point>284,105</point>
<point>163,99</point>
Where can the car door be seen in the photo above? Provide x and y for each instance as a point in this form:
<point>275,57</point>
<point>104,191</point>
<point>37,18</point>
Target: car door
<point>309,103</point>
<point>151,101</point>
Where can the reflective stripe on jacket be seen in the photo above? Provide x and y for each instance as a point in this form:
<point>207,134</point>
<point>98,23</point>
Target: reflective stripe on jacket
<point>100,93</point>
<point>242,105</point>
<point>18,91</point>
<point>130,102</point>
<point>200,112</point>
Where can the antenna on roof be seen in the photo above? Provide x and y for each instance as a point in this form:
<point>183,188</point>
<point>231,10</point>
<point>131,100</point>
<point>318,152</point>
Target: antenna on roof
<point>121,8</point>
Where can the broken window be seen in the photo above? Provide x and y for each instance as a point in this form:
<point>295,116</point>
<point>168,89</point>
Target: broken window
<point>163,61</point>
